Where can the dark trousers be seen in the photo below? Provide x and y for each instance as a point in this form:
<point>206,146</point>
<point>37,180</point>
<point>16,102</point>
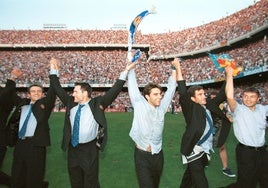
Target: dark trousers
<point>28,167</point>
<point>252,166</point>
<point>4,178</point>
<point>83,165</point>
<point>194,175</point>
<point>148,168</point>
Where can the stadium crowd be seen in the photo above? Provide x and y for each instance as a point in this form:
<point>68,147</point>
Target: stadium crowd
<point>102,66</point>
<point>186,40</point>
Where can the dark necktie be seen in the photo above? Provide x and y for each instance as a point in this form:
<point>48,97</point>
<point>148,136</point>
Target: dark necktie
<point>211,127</point>
<point>24,126</point>
<point>210,131</point>
<point>75,136</point>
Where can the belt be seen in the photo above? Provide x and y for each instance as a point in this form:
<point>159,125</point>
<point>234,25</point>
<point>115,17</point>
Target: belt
<point>27,138</point>
<point>252,147</point>
<point>90,142</point>
<point>140,149</point>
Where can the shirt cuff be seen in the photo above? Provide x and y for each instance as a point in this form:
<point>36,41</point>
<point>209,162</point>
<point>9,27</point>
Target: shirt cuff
<point>54,72</point>
<point>123,75</point>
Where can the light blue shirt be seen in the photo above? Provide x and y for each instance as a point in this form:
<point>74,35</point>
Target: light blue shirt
<point>32,123</point>
<point>249,126</point>
<point>88,127</point>
<point>148,122</point>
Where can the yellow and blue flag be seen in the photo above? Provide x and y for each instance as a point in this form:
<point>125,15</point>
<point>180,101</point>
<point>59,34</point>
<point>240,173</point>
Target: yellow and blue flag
<point>133,28</point>
<point>134,25</point>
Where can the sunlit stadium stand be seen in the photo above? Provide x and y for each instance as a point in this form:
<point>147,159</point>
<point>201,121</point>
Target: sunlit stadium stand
<point>99,55</point>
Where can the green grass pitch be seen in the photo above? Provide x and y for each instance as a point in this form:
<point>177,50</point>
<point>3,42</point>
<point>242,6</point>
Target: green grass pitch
<point>117,161</point>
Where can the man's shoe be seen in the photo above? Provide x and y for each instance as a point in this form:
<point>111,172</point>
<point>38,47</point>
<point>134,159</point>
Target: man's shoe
<point>228,172</point>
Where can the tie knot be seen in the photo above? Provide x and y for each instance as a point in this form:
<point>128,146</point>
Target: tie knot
<point>80,106</point>
<point>30,107</point>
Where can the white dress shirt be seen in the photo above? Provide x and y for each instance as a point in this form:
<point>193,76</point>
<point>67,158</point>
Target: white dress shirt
<point>148,122</point>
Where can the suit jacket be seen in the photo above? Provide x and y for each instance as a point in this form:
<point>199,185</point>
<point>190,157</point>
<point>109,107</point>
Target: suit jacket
<point>41,109</point>
<point>6,106</point>
<point>97,106</point>
<point>195,117</point>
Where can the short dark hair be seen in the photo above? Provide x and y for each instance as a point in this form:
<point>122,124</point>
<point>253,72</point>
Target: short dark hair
<point>212,93</point>
<point>192,89</point>
<point>148,88</point>
<point>84,87</point>
<point>252,90</point>
<point>35,85</point>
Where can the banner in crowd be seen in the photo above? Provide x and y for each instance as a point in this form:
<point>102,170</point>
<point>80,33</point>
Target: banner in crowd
<point>224,60</point>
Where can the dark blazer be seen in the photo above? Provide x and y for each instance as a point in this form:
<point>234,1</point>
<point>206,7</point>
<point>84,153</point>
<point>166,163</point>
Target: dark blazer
<point>97,106</point>
<point>41,109</point>
<point>195,117</point>
<point>6,106</point>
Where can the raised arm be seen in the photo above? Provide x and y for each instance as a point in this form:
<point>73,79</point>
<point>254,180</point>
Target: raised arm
<point>55,83</point>
<point>229,88</point>
<point>171,86</point>
<point>177,65</point>
<point>16,73</point>
<point>50,99</point>
<point>112,93</point>
<point>133,89</point>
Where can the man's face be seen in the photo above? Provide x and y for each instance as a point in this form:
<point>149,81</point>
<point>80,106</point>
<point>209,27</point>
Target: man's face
<point>154,98</point>
<point>199,97</point>
<point>250,99</point>
<point>35,93</point>
<point>79,95</point>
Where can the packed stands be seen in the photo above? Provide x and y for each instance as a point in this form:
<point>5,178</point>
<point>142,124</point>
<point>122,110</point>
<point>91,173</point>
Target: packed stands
<point>98,56</point>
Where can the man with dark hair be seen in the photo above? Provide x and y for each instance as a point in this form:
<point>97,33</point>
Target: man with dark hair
<point>196,142</point>
<point>28,131</point>
<point>85,127</point>
<point>147,127</point>
<point>249,125</point>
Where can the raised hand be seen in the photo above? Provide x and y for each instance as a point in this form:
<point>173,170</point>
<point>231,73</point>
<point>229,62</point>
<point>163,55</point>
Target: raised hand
<point>130,66</point>
<point>229,71</point>
<point>16,73</point>
<point>54,64</point>
<point>176,63</point>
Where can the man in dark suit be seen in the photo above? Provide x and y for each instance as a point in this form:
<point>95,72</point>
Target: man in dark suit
<point>83,142</point>
<point>28,131</point>
<point>197,138</point>
<point>6,106</point>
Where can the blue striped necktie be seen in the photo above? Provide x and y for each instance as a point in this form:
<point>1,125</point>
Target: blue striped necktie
<point>210,131</point>
<point>25,123</point>
<point>210,122</point>
<point>75,136</point>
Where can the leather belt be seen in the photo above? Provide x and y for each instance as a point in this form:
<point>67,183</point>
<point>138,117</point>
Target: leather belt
<point>27,138</point>
<point>140,149</point>
<point>253,148</point>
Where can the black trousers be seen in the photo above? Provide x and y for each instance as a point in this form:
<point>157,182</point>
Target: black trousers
<point>83,165</point>
<point>28,167</point>
<point>148,168</point>
<point>194,175</point>
<point>4,178</point>
<point>252,166</point>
